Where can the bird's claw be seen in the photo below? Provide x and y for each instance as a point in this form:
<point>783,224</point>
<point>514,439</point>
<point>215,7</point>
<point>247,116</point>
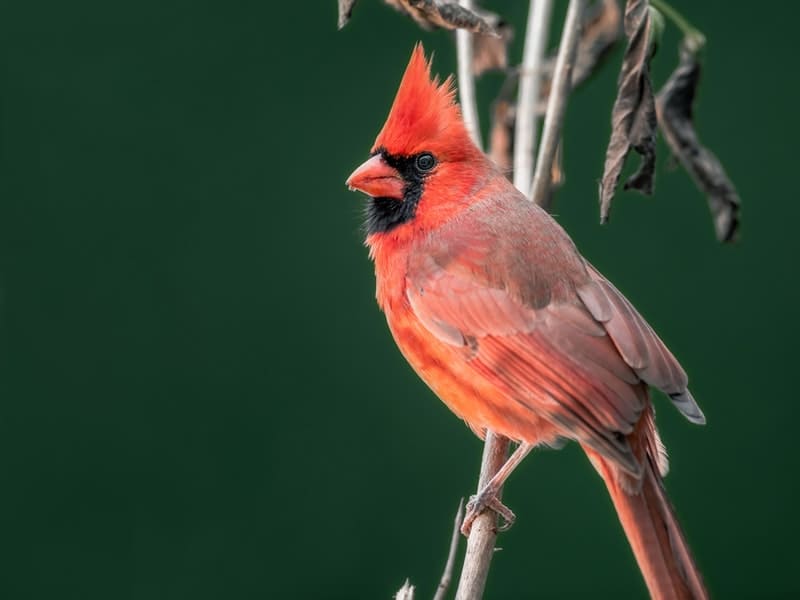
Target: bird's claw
<point>486,499</point>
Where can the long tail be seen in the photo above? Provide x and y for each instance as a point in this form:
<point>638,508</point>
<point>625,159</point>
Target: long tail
<point>654,534</point>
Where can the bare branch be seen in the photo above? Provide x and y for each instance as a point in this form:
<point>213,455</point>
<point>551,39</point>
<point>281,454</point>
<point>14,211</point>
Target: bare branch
<point>557,103</point>
<point>406,592</point>
<point>466,81</point>
<point>447,576</point>
<point>480,545</point>
<point>529,82</point>
<point>345,10</point>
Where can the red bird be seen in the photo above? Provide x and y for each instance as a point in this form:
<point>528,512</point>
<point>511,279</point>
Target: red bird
<point>496,310</point>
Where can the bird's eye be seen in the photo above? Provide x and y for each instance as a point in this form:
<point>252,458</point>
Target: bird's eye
<point>425,162</point>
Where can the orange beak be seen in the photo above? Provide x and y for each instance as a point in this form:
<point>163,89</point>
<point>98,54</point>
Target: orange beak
<point>377,179</point>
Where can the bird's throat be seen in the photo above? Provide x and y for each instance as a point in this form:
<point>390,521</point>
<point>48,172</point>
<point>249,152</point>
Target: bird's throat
<point>384,214</point>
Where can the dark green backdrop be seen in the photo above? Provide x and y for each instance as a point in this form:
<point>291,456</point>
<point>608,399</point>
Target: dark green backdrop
<point>199,396</point>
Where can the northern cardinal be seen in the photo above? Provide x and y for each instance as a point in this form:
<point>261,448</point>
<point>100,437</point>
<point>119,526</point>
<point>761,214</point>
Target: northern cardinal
<point>491,303</point>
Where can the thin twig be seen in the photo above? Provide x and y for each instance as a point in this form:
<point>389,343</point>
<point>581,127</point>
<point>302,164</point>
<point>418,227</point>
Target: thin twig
<point>694,36</point>
<point>406,592</point>
<point>529,83</point>
<point>557,103</point>
<point>480,545</point>
<point>466,81</point>
<point>447,576</point>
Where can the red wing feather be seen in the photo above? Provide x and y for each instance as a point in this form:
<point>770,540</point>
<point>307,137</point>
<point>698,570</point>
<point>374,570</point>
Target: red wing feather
<point>638,344</point>
<point>557,360</point>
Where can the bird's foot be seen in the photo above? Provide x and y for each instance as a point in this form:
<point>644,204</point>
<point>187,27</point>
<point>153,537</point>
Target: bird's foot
<point>486,499</point>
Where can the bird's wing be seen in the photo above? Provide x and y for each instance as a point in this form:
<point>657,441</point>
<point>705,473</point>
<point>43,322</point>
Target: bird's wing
<point>638,344</point>
<point>577,357</point>
<point>557,360</point>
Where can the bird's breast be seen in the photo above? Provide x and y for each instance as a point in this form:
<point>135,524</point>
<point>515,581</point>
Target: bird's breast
<point>467,386</point>
<point>466,389</point>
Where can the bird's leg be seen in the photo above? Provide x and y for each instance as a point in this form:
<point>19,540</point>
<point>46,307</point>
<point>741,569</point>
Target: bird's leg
<point>487,497</point>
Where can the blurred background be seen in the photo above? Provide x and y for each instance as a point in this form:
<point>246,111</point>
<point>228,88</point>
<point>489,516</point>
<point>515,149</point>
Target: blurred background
<point>198,395</point>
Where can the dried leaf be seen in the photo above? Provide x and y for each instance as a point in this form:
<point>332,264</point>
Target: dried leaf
<point>633,117</point>
<point>345,10</point>
<point>557,177</point>
<point>501,135</point>
<point>491,51</point>
<point>601,31</point>
<point>674,106</point>
<point>602,27</point>
<point>447,15</point>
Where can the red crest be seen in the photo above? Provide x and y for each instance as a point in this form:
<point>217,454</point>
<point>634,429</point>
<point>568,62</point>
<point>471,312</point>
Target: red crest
<point>424,115</point>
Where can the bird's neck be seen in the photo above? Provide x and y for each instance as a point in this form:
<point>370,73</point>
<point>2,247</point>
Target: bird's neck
<point>389,251</point>
<point>445,197</point>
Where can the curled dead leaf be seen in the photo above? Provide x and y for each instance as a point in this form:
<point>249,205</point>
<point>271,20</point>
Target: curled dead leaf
<point>602,29</point>
<point>675,118</point>
<point>447,15</point>
<point>633,117</point>
<point>557,176</point>
<point>501,135</point>
<point>491,51</point>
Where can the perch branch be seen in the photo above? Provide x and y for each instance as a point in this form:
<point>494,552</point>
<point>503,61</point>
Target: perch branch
<point>530,78</point>
<point>480,545</point>
<point>557,103</point>
<point>466,81</point>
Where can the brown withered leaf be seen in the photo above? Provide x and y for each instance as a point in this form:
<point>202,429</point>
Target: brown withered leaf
<point>675,118</point>
<point>557,176</point>
<point>447,15</point>
<point>501,135</point>
<point>345,10</point>
<point>602,28</point>
<point>491,51</point>
<point>633,117</point>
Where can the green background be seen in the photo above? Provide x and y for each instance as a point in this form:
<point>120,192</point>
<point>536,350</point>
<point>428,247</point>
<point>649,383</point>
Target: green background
<point>198,395</point>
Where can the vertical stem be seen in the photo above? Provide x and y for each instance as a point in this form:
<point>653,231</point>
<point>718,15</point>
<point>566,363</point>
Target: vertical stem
<point>466,81</point>
<point>480,545</point>
<point>557,102</point>
<point>447,576</point>
<point>529,82</point>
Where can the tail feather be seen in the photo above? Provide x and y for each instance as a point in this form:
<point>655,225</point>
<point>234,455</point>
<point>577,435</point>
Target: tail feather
<point>654,534</point>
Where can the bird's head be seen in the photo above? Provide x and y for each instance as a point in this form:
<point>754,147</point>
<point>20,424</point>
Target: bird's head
<point>422,164</point>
